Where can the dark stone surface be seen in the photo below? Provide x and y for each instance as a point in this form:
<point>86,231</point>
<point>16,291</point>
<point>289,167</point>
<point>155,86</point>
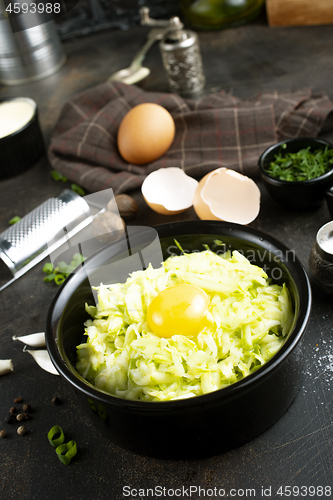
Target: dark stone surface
<point>89,16</point>
<point>297,450</point>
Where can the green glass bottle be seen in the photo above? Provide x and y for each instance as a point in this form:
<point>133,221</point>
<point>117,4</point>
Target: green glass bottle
<point>218,14</point>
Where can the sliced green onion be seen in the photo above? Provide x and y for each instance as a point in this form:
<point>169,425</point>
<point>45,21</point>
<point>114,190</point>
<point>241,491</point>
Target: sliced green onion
<point>62,267</point>
<point>92,404</point>
<point>179,246</point>
<point>66,452</point>
<point>56,436</point>
<point>59,279</point>
<point>48,268</point>
<point>49,277</point>
<point>14,220</point>
<point>78,258</point>
<point>102,411</point>
<point>59,273</point>
<point>57,176</point>
<point>78,189</point>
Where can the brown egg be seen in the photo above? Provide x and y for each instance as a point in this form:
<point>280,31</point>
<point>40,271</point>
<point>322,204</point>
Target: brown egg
<point>227,195</point>
<point>145,133</point>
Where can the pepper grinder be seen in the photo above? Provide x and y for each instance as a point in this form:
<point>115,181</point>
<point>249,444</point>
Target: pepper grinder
<point>180,54</point>
<point>321,258</point>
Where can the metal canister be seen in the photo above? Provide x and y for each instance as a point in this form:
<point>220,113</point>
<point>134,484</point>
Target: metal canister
<point>29,54</point>
<point>182,59</point>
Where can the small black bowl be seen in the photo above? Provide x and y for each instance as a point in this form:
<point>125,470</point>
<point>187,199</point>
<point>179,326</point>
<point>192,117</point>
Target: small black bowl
<point>21,149</point>
<point>198,426</point>
<point>295,194</point>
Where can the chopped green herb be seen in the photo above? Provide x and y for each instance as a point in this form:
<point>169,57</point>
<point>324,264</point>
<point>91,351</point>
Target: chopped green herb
<point>301,166</point>
<point>57,176</point>
<point>78,189</point>
<point>14,220</point>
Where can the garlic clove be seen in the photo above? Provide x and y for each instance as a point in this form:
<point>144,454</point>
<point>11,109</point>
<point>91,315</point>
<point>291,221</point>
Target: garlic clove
<point>43,359</point>
<point>6,366</point>
<point>33,339</point>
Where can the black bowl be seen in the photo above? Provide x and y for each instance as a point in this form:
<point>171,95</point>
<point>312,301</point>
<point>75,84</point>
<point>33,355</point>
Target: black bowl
<point>202,425</point>
<point>295,194</point>
<point>21,149</point>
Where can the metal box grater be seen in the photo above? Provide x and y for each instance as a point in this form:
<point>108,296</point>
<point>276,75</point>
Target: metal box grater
<point>41,231</point>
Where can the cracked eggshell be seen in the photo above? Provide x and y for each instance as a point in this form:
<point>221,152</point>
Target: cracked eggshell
<point>169,191</point>
<point>227,195</point>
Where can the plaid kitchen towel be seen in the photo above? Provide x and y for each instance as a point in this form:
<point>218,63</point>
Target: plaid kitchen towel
<point>218,130</point>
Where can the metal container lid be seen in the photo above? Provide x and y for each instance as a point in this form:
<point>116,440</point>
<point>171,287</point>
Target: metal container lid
<point>177,38</point>
<point>324,242</point>
<point>32,50</point>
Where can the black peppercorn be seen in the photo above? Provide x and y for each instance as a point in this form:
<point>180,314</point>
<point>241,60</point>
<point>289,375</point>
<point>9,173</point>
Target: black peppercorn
<point>18,400</point>
<point>26,407</point>
<point>26,416</point>
<point>56,400</point>
<point>12,409</point>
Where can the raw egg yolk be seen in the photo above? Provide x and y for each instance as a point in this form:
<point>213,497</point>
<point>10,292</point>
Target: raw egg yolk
<point>178,310</point>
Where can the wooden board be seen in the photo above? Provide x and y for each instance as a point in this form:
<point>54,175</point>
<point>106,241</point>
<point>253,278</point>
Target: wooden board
<point>299,12</point>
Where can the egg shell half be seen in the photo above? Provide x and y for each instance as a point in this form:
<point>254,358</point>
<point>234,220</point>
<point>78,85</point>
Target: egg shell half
<point>145,133</point>
<point>169,191</point>
<point>227,195</point>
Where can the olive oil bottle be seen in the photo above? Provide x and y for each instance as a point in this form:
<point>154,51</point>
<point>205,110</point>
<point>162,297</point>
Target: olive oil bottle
<point>218,14</point>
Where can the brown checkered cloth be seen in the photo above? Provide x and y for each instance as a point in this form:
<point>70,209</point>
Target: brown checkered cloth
<point>218,130</point>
